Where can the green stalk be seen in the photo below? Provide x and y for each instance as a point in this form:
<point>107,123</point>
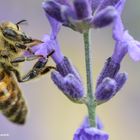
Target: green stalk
<point>91,105</point>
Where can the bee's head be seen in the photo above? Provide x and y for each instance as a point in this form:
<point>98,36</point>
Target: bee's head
<point>13,32</point>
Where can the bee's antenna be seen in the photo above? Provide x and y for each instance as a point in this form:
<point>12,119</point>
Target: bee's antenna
<point>21,21</point>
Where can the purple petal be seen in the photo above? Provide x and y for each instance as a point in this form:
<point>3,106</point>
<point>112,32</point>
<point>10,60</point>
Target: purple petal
<point>45,48</point>
<point>118,29</point>
<point>55,26</point>
<point>132,45</point>
<point>120,79</point>
<point>53,8</point>
<point>104,17</point>
<point>120,6</point>
<point>82,9</point>
<point>134,50</point>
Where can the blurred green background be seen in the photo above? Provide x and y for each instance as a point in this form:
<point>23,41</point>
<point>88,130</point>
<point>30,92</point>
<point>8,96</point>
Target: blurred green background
<point>51,115</point>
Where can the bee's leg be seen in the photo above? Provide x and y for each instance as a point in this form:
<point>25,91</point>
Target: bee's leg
<point>24,58</point>
<point>16,72</point>
<point>36,70</point>
<point>47,69</point>
<point>39,68</point>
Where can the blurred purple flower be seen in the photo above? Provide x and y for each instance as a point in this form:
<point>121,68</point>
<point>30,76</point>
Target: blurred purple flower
<point>81,14</point>
<point>85,132</point>
<point>125,43</point>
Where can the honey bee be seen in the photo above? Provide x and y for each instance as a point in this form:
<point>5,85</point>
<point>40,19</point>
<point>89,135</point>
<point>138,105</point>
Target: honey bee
<point>13,42</point>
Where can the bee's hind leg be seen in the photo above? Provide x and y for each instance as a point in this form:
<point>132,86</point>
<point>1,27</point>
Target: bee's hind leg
<point>16,72</point>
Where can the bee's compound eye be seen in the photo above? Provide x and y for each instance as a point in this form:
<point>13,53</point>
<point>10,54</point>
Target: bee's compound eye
<point>9,33</point>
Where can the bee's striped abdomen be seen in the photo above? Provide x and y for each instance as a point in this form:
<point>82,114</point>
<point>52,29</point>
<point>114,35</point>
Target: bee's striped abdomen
<point>12,104</point>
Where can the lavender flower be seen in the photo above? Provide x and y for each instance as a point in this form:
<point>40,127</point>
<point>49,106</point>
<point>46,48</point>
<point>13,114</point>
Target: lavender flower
<point>110,81</point>
<point>65,76</point>
<point>125,43</point>
<point>80,15</point>
<point>50,43</point>
<point>109,87</point>
<point>90,133</point>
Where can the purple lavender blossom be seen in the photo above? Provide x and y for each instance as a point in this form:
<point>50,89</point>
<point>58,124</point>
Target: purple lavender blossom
<point>109,82</point>
<point>125,43</point>
<point>50,43</point>
<point>90,133</point>
<point>80,15</point>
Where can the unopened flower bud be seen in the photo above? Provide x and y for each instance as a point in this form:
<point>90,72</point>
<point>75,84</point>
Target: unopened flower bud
<point>105,90</point>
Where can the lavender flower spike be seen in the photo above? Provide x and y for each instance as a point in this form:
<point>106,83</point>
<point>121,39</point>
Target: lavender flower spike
<point>79,15</point>
<point>90,133</point>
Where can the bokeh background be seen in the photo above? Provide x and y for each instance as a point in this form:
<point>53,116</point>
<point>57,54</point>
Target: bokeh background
<point>51,115</point>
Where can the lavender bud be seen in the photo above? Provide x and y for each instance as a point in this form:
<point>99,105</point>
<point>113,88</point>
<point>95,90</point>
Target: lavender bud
<point>82,8</point>
<point>121,79</point>
<point>58,80</point>
<point>66,67</point>
<point>53,9</point>
<point>69,85</point>
<point>104,17</point>
<point>105,90</point>
<point>68,80</point>
<point>110,70</point>
<point>73,88</point>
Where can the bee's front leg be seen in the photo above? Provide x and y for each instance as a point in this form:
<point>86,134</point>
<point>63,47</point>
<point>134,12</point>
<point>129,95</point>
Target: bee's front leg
<point>39,69</point>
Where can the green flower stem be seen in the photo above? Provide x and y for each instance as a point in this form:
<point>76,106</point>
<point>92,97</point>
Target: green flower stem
<point>91,104</point>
